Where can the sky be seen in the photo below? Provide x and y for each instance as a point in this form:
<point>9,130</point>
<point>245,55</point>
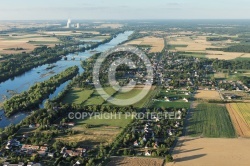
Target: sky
<point>123,9</point>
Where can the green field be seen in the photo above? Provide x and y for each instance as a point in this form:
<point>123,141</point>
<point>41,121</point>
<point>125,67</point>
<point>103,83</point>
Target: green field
<point>128,95</point>
<point>104,120</point>
<point>146,100</point>
<point>133,93</point>
<point>173,46</point>
<point>77,96</point>
<point>88,97</point>
<point>164,104</point>
<point>211,120</point>
<point>92,97</point>
<point>95,99</point>
<point>196,55</point>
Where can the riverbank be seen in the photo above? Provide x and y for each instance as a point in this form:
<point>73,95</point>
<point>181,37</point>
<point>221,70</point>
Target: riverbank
<point>23,82</point>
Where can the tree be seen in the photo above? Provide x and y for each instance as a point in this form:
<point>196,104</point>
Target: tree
<point>169,158</point>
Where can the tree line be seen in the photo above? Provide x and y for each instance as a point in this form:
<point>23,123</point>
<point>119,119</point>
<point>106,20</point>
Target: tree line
<point>38,92</point>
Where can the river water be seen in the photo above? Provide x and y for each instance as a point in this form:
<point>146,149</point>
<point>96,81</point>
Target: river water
<point>41,73</point>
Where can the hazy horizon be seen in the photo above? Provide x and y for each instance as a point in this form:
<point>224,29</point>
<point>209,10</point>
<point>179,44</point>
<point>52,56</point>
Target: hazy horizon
<point>124,10</point>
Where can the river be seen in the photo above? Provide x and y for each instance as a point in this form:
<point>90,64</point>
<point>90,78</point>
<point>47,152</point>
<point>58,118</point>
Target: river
<point>41,73</point>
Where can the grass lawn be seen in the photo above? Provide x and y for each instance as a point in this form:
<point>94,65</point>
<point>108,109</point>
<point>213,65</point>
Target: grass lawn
<point>95,99</point>
<point>159,104</point>
<point>220,75</point>
<point>128,95</point>
<point>109,90</point>
<point>77,96</point>
<point>146,99</point>
<point>211,120</point>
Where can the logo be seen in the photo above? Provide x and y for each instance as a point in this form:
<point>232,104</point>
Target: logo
<point>123,60</point>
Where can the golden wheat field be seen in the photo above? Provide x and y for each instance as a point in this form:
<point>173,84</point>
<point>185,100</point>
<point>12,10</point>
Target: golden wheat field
<point>157,44</point>
<point>223,55</point>
<point>207,95</point>
<point>240,116</point>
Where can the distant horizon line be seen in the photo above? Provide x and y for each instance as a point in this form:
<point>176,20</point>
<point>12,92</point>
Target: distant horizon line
<point>128,19</point>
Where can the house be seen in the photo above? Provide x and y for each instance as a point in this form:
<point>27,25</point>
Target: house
<point>77,163</point>
<point>33,164</point>
<point>155,145</point>
<point>41,153</point>
<point>51,155</point>
<point>32,126</point>
<point>177,124</point>
<point>186,100</point>
<point>12,143</point>
<point>147,153</point>
<point>44,148</point>
<point>167,99</point>
<point>29,147</point>
<point>70,124</point>
<point>8,164</point>
<point>136,143</point>
<point>76,152</point>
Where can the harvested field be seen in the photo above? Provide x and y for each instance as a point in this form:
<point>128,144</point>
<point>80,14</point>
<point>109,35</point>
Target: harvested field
<point>5,45</point>
<point>211,152</point>
<point>135,161</point>
<point>157,44</point>
<point>28,42</point>
<point>199,44</point>
<point>193,44</point>
<point>223,55</point>
<point>240,116</point>
<point>245,56</point>
<point>207,95</point>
